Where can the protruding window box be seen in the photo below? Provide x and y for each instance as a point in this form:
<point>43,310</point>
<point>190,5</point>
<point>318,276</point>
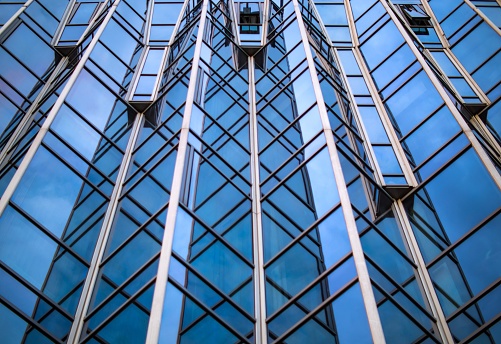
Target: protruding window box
<point>145,83</point>
<point>416,17</point>
<point>383,202</point>
<point>73,27</point>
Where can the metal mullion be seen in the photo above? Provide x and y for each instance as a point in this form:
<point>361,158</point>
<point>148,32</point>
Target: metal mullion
<point>420,124</point>
<point>485,61</point>
<point>98,66</point>
<point>281,139</point>
<point>468,21</point>
<point>121,308</point>
<point>345,124</point>
<point>85,231</point>
<point>39,79</point>
<point>215,153</point>
<point>230,135</point>
<point>49,312</point>
<point>404,83</point>
<point>450,13</point>
<point>359,36</point>
<point>406,313</point>
<point>219,188</point>
<point>35,291</point>
<point>37,24</point>
<point>93,127</point>
<point>18,140</point>
<point>142,227</point>
<point>286,231</point>
<point>221,85</point>
<point>244,123</point>
<point>296,169</point>
<point>29,320</point>
<point>401,73</point>
<point>217,237</point>
<point>223,295</point>
<point>276,64</point>
<point>344,146</point>
<point>84,179</point>
<point>471,303</point>
<point>304,233</point>
<point>143,167</point>
<point>48,233</point>
<point>439,150</point>
<point>267,125</point>
<point>118,289</point>
<point>399,288</point>
<point>124,293</point>
<point>194,241</point>
<point>129,24</point>
<point>482,329</point>
<point>375,23</point>
<point>67,236</point>
<point>314,312</point>
<point>310,285</point>
<point>286,216</point>
<point>385,238</point>
<point>466,236</point>
<point>158,132</point>
<point>78,154</point>
<point>287,127</point>
<point>206,309</point>
<point>301,307</point>
<point>284,82</point>
<point>440,169</point>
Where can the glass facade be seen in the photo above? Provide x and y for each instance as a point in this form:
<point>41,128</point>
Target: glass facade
<point>268,171</point>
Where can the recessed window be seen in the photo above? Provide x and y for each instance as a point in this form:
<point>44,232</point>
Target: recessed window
<point>250,18</point>
<point>416,18</point>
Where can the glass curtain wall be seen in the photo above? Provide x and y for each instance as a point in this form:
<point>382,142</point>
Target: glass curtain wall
<point>162,181</point>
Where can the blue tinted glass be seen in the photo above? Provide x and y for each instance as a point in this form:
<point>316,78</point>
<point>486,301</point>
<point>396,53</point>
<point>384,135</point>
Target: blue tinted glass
<point>435,132</point>
<point>413,102</point>
<point>463,195</point>
<point>380,45</point>
<point>477,46</point>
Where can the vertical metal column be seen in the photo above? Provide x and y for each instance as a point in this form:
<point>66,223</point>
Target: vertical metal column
<point>9,191</point>
<point>455,112</point>
<point>257,228</point>
<point>165,253</point>
<point>356,246</point>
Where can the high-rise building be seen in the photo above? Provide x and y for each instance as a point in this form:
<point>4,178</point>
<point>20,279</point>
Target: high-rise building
<point>265,171</point>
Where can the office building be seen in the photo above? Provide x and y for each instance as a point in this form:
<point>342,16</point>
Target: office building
<point>266,171</point>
